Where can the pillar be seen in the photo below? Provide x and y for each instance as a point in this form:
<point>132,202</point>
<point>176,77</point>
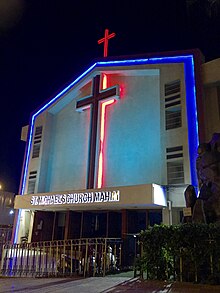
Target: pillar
<point>124,224</point>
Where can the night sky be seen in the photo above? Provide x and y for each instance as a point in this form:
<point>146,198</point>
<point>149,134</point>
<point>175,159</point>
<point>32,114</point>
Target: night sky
<point>46,44</point>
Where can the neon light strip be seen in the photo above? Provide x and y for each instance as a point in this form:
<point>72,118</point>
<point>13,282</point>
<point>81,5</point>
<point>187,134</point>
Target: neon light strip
<point>190,101</point>
<point>192,117</point>
<point>101,143</point>
<point>104,82</point>
<point>102,134</point>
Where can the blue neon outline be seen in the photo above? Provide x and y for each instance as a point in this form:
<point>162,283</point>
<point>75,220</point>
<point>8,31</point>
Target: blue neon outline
<point>190,104</point>
<point>192,118</point>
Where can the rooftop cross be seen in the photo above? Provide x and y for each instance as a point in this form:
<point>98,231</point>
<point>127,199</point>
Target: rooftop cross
<point>105,40</point>
<point>93,102</point>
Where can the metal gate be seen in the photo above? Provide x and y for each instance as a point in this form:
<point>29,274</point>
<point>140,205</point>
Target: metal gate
<point>5,236</point>
<point>82,257</point>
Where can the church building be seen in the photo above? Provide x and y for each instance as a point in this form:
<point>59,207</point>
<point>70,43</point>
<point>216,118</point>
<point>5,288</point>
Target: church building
<point>113,152</point>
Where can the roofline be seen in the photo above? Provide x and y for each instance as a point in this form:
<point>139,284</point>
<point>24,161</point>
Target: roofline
<point>197,54</point>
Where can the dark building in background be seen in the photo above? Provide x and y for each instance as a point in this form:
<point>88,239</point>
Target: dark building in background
<point>6,216</point>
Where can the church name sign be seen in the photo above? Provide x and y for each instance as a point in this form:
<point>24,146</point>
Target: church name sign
<point>76,198</point>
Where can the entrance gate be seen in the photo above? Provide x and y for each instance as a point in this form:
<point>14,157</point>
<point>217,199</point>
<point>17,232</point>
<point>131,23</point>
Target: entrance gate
<point>82,257</point>
<point>5,236</point>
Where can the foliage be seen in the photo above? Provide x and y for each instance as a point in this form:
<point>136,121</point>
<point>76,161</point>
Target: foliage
<point>187,252</point>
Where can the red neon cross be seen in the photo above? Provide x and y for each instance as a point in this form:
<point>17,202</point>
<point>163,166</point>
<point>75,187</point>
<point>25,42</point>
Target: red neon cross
<point>105,40</point>
<point>93,102</point>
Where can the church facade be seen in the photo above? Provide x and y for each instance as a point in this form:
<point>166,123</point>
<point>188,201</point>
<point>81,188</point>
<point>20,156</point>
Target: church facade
<point>113,152</point>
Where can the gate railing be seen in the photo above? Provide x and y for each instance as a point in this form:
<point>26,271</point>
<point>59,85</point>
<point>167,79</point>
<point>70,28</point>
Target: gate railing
<point>83,257</point>
<point>5,236</point>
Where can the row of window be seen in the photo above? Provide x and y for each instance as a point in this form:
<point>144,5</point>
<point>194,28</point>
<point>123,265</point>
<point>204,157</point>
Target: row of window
<point>35,154</point>
<point>173,118</point>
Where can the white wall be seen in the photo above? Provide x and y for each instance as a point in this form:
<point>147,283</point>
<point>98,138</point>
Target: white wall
<point>70,149</point>
<point>133,150</point>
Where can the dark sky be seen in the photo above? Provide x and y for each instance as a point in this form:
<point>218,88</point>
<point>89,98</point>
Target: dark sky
<point>45,44</point>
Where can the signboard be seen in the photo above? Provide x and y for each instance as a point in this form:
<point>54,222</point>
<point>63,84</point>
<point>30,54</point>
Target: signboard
<point>187,212</point>
<point>76,198</point>
<point>121,197</point>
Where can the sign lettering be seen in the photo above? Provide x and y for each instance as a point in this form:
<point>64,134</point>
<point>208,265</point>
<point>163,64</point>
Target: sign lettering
<point>76,198</point>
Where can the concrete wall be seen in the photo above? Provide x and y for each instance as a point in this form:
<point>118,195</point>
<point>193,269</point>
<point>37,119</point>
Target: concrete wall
<point>69,149</point>
<point>6,205</point>
<point>210,72</point>
<point>133,152</point>
<point>211,82</point>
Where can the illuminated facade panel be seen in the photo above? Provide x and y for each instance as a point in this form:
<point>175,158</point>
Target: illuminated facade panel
<point>131,136</point>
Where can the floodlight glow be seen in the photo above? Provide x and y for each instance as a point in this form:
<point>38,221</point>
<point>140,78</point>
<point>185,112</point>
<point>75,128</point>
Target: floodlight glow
<point>159,195</point>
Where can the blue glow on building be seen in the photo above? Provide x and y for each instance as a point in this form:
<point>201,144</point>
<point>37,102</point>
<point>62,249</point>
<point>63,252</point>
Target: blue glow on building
<point>192,118</point>
<point>188,62</point>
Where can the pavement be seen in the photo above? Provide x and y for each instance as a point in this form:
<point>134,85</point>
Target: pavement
<point>141,286</point>
<point>48,285</point>
<point>108,284</point>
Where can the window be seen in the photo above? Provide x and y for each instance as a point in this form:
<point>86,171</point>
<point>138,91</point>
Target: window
<point>173,118</point>
<point>175,168</point>
<point>172,87</point>
<point>173,115</point>
<point>36,150</point>
<point>32,182</point>
<point>37,141</point>
<point>175,172</point>
<point>31,186</point>
<point>174,152</point>
<point>38,131</point>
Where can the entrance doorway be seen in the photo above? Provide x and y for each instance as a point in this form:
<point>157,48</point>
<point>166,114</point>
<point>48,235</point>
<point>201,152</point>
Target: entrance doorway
<point>101,224</point>
<point>137,220</point>
<point>92,224</point>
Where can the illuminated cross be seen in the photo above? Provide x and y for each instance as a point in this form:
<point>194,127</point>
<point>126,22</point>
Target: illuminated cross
<point>93,102</point>
<point>105,41</point>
